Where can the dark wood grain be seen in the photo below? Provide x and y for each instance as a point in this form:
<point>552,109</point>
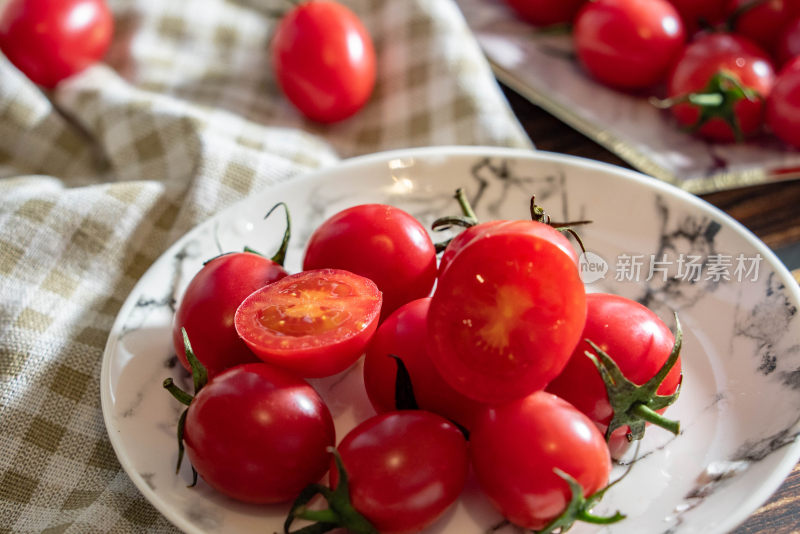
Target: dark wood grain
<point>769,211</point>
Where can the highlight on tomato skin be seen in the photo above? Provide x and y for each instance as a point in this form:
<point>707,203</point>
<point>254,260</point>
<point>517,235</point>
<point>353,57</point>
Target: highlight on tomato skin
<point>259,434</point>
<point>507,312</point>
<point>515,446</point>
<point>208,305</point>
<point>315,323</point>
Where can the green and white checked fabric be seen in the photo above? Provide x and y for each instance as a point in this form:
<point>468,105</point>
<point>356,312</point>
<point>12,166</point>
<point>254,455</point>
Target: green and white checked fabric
<point>99,177</point>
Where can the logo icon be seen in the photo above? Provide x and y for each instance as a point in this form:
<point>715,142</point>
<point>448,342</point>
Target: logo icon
<point>592,267</point>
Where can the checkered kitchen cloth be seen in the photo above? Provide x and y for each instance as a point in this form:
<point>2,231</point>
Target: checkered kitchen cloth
<point>98,179</point>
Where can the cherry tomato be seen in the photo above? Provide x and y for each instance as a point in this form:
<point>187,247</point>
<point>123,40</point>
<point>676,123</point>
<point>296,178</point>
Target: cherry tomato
<point>208,305</point>
<point>405,469</point>
<point>405,334</point>
<point>50,40</point>
<point>546,12</point>
<point>324,60</point>
<point>628,44</point>
<point>314,323</point>
<point>515,446</point>
<point>259,434</point>
<point>383,243</point>
<point>699,69</point>
<point>783,105</point>
<point>762,22</point>
<point>474,232</point>
<point>697,13</point>
<point>638,342</point>
<point>789,43</point>
<point>507,312</point>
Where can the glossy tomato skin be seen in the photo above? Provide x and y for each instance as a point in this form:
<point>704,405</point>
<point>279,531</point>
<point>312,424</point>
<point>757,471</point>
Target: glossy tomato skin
<point>406,469</point>
<point>628,44</point>
<point>208,305</point>
<point>763,23</point>
<point>636,339</point>
<point>473,233</point>
<point>405,334</point>
<point>515,446</point>
<point>546,12</point>
<point>314,323</point>
<point>324,60</point>
<point>50,40</point>
<point>383,243</point>
<point>259,434</point>
<point>709,55</point>
<point>507,312</point>
<point>783,105</point>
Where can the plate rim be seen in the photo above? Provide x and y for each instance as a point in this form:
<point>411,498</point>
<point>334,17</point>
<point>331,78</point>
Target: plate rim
<point>768,486</point>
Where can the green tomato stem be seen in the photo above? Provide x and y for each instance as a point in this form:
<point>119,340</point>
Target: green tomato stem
<point>651,416</point>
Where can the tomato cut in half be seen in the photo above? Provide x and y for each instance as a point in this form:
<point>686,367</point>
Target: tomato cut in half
<point>507,312</point>
<point>315,323</point>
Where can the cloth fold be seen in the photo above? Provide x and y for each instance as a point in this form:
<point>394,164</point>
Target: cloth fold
<point>100,176</point>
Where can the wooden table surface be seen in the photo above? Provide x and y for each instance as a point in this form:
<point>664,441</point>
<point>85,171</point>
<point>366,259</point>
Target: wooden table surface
<point>769,211</point>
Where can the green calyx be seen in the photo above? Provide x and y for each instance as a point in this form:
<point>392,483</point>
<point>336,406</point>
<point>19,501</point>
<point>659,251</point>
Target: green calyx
<point>716,101</point>
<point>635,405</point>
<point>465,220</point>
<point>280,254</point>
<point>339,514</point>
<point>579,507</point>
<point>200,379</point>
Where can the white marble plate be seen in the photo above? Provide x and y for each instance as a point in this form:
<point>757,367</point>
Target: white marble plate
<point>740,402</point>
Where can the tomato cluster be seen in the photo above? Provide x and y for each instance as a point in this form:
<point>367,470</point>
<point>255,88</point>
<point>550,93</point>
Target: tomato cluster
<point>713,63</point>
<point>496,363</point>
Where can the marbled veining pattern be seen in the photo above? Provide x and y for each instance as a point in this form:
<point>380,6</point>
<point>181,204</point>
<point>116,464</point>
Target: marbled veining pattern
<point>742,343</point>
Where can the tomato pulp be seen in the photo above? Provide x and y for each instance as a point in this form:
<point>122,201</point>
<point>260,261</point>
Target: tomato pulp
<point>315,323</point>
<point>507,312</point>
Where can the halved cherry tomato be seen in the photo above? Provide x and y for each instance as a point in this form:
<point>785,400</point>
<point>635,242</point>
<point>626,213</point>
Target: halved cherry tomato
<point>259,434</point>
<point>405,334</point>
<point>50,40</point>
<point>381,242</point>
<point>507,312</point>
<point>208,305</point>
<point>314,323</point>
<point>628,44</point>
<point>638,342</point>
<point>324,60</point>
<point>714,64</point>
<point>405,469</point>
<point>515,446</point>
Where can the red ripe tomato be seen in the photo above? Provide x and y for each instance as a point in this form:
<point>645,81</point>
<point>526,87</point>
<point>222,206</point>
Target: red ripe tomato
<point>383,243</point>
<point>546,12</point>
<point>783,105</point>
<point>698,70</point>
<point>259,434</point>
<point>50,40</point>
<point>507,312</point>
<point>763,21</point>
<point>696,13</point>
<point>405,469</point>
<point>208,305</point>
<point>405,334</point>
<point>474,232</point>
<point>515,446</point>
<point>628,44</point>
<point>314,323</point>
<point>324,60</point>
<point>788,43</point>
<point>638,342</point>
